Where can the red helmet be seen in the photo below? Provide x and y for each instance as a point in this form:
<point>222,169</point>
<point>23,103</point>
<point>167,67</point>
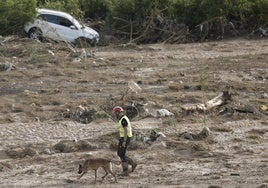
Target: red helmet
<point>118,109</point>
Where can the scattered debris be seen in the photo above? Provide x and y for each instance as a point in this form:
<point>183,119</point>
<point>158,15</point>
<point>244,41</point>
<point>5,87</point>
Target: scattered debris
<point>265,96</point>
<point>15,153</point>
<point>154,136</point>
<point>140,137</point>
<point>67,146</point>
<point>82,114</point>
<point>76,60</point>
<point>157,136</point>
<point>158,140</point>
<point>264,31</point>
<point>162,113</point>
<point>52,53</point>
<point>7,67</point>
<point>200,136</point>
<point>47,151</point>
<point>83,54</point>
<point>263,107</point>
<point>246,109</point>
<point>193,107</point>
<point>5,166</point>
<point>134,87</point>
<point>221,99</point>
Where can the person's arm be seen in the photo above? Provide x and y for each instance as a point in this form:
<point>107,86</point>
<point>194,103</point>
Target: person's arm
<point>124,124</point>
<point>125,134</point>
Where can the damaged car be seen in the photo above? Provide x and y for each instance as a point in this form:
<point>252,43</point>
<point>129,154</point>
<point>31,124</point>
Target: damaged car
<point>60,26</point>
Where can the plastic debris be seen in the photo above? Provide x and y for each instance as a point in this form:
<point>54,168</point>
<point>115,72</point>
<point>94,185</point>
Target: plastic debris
<point>162,113</point>
<point>263,107</point>
<point>52,53</point>
<point>83,54</point>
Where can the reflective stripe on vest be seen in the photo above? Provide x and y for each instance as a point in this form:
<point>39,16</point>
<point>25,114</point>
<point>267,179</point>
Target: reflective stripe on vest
<point>121,128</point>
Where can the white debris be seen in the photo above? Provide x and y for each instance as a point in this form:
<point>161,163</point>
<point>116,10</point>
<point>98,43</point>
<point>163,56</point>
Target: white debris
<point>162,113</point>
<point>133,86</point>
<point>76,60</point>
<point>264,31</point>
<point>52,53</point>
<point>83,54</point>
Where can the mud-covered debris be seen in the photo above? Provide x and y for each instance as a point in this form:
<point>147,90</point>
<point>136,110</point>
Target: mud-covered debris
<point>81,114</point>
<point>193,107</point>
<point>159,140</point>
<point>134,110</point>
<point>263,107</point>
<point>68,146</point>
<point>15,153</point>
<point>52,53</point>
<point>221,99</point>
<point>156,135</point>
<point>162,113</point>
<point>265,96</point>
<point>83,54</point>
<point>134,87</point>
<point>140,137</point>
<point>7,67</point>
<point>200,136</point>
<point>155,140</point>
<point>264,31</point>
<point>5,166</point>
<point>246,109</point>
<point>47,151</point>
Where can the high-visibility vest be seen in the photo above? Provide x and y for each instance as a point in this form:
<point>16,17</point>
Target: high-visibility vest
<point>121,128</point>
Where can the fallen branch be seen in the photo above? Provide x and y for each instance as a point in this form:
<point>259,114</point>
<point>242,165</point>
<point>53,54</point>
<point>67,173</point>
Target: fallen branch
<point>222,98</point>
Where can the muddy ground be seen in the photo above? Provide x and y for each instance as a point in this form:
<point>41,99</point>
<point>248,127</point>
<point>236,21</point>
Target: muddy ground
<point>56,112</point>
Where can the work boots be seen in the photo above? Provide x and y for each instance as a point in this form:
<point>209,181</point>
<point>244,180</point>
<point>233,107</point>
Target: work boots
<point>125,169</point>
<point>132,163</point>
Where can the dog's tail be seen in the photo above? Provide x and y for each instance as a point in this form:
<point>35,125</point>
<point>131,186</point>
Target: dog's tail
<point>115,162</point>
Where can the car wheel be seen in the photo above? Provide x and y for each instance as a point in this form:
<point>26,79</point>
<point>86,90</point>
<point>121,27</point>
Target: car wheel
<point>93,43</point>
<point>81,42</point>
<point>35,33</point>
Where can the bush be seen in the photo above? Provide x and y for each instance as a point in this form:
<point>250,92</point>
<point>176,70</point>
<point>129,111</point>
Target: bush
<point>70,6</point>
<point>135,18</point>
<point>95,9</point>
<point>194,12</point>
<point>13,15</point>
<point>259,15</point>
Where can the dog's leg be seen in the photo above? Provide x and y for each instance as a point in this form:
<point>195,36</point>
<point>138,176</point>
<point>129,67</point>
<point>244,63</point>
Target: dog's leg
<point>96,174</point>
<point>106,173</point>
<point>111,171</point>
<point>81,175</point>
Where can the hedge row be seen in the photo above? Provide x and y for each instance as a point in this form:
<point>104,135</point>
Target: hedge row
<point>125,16</point>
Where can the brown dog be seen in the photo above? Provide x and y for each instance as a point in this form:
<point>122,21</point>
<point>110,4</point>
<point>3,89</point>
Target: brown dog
<point>94,164</point>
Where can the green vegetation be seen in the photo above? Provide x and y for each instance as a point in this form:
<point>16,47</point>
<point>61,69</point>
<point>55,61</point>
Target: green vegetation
<point>13,14</point>
<point>137,18</point>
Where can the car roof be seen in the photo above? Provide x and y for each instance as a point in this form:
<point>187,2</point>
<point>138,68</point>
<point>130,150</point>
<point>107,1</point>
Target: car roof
<point>54,12</point>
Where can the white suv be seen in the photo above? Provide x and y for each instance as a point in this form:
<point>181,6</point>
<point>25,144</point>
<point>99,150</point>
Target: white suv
<point>60,26</point>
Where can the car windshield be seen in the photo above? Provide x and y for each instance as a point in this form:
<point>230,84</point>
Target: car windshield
<point>76,23</point>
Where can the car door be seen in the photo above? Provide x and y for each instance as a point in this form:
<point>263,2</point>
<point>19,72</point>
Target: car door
<point>49,26</point>
<point>67,29</point>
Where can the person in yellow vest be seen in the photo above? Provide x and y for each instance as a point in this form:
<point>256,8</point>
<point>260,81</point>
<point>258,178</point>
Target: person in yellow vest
<point>125,135</point>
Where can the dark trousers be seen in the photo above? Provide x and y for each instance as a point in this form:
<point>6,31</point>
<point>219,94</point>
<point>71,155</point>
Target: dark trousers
<point>121,151</point>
